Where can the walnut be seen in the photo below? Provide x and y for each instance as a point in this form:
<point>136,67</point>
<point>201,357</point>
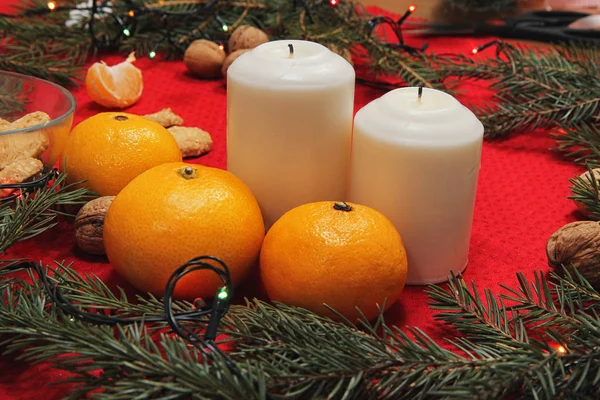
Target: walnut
<point>577,245</point>
<point>89,225</point>
<point>246,37</point>
<point>204,58</point>
<point>230,59</point>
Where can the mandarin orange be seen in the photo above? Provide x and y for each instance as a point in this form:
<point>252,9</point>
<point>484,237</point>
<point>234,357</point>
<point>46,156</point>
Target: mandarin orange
<point>108,150</point>
<point>175,212</point>
<point>118,86</point>
<point>342,254</point>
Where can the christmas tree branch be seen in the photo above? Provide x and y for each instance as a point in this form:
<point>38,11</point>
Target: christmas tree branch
<point>290,353</point>
<point>34,213</point>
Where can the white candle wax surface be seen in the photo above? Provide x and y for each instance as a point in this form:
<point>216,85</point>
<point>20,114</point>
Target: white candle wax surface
<point>417,162</point>
<point>289,124</point>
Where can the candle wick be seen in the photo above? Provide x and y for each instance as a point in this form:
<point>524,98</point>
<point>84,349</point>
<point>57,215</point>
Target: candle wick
<point>291,46</point>
<point>420,93</point>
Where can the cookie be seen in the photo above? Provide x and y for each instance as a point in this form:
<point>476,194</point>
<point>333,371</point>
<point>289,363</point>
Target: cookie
<point>165,117</point>
<point>23,145</point>
<point>21,170</point>
<point>192,142</point>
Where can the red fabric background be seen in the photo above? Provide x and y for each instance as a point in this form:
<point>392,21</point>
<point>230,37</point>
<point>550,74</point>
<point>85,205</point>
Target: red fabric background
<point>521,200</point>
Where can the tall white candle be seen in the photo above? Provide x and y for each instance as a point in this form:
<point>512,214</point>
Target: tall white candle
<point>289,124</point>
<point>416,160</point>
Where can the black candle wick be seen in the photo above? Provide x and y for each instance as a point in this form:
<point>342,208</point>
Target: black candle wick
<point>291,46</point>
<point>420,92</point>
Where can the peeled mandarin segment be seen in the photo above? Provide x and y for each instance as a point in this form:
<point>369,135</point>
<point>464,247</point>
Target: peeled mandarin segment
<point>118,86</point>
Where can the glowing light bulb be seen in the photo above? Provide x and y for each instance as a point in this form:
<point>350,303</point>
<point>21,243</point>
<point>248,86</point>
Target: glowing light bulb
<point>222,295</point>
<point>51,5</point>
<point>333,2</point>
<point>225,28</point>
<point>131,13</point>
<point>412,8</point>
<point>221,47</point>
<point>126,32</point>
<point>474,51</point>
<point>151,55</point>
<point>561,349</point>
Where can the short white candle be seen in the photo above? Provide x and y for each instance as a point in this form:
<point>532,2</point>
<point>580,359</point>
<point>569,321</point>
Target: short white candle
<point>416,160</point>
<point>289,124</point>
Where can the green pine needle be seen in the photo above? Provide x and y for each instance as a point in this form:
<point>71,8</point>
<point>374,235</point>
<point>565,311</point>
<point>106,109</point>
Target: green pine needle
<point>34,213</point>
<point>290,353</point>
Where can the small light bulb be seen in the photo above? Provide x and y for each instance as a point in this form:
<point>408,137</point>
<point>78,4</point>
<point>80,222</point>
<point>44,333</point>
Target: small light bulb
<point>222,295</point>
<point>561,349</point>
<point>131,13</point>
<point>333,2</point>
<point>474,51</point>
<point>225,28</point>
<point>126,32</point>
<point>51,5</point>
<point>221,47</point>
<point>412,8</point>
<point>151,55</point>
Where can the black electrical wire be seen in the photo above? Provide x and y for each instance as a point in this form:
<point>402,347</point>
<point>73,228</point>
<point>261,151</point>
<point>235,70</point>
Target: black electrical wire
<point>216,311</point>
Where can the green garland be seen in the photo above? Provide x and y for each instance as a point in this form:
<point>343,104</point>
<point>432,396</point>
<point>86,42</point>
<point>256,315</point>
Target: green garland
<point>545,346</point>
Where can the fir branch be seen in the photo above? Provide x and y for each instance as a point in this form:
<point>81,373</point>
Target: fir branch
<point>490,323</point>
<point>585,190</point>
<point>291,353</point>
<point>536,89</point>
<point>34,213</point>
<point>580,143</point>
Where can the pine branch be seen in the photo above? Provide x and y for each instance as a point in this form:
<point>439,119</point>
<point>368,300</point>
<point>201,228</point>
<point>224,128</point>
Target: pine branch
<point>36,212</point>
<point>585,190</point>
<point>581,143</point>
<point>536,89</point>
<point>291,353</point>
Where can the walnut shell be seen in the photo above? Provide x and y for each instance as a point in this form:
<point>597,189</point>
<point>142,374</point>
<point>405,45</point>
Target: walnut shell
<point>89,225</point>
<point>204,58</point>
<point>586,177</point>
<point>230,59</point>
<point>577,245</point>
<point>246,37</point>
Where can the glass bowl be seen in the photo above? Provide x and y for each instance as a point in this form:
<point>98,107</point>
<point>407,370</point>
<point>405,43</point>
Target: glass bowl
<point>21,95</point>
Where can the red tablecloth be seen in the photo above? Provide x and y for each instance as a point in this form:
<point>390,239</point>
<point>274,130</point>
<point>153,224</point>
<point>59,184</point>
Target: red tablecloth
<point>521,200</point>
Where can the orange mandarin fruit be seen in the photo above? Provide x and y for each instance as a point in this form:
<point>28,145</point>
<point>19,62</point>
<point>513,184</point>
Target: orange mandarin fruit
<point>108,150</point>
<point>342,254</point>
<point>175,212</point>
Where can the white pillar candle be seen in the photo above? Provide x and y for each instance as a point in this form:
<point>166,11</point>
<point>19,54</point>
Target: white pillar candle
<point>416,160</point>
<point>289,124</point>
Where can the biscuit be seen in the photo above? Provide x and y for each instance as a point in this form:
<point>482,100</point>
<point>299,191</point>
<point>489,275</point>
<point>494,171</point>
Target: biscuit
<point>191,141</point>
<point>26,144</point>
<point>21,170</point>
<point>165,117</point>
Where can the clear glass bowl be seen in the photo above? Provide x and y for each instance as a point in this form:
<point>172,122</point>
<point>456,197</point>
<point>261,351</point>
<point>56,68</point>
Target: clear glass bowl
<point>21,95</point>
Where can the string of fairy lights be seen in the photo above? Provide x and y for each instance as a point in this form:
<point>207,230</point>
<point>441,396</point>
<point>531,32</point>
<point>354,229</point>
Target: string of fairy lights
<point>126,22</point>
<point>127,26</point>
